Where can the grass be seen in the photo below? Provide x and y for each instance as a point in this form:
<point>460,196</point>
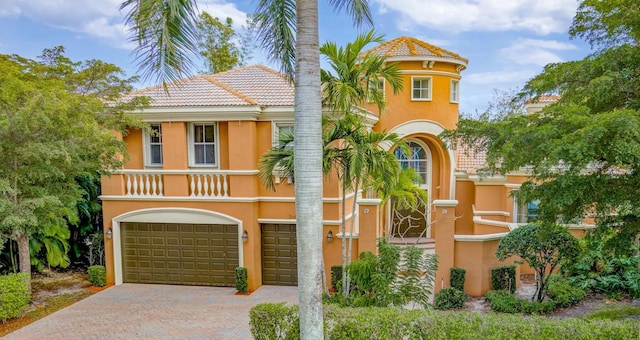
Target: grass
<point>614,312</point>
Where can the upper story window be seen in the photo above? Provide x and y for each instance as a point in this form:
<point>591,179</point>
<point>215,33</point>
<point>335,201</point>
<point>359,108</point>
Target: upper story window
<point>455,91</point>
<point>203,144</point>
<point>153,146</point>
<point>421,88</point>
<point>376,88</point>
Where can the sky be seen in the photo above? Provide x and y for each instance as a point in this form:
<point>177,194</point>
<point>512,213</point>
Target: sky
<point>507,42</point>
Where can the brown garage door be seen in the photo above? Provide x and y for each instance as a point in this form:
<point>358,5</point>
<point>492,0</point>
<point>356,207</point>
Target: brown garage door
<point>187,254</point>
<point>279,255</point>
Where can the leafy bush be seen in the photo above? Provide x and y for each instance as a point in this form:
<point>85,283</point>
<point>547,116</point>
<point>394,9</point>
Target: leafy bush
<point>242,284</point>
<point>504,302</point>
<point>14,295</point>
<point>504,278</point>
<point>336,276</point>
<point>449,298</point>
<point>97,276</point>
<point>456,278</point>
<point>543,247</point>
<point>276,321</point>
<point>563,293</point>
<point>396,277</point>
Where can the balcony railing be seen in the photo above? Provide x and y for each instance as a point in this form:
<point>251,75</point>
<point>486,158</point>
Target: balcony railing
<point>200,183</point>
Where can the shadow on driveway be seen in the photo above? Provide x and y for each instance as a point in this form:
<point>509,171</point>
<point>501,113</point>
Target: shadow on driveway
<point>136,311</point>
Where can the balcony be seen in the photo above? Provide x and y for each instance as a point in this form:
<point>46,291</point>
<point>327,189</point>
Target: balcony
<point>157,184</point>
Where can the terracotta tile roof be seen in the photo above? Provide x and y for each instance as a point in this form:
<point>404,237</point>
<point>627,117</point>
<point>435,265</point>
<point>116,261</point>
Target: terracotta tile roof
<point>468,159</point>
<point>250,85</point>
<point>408,47</point>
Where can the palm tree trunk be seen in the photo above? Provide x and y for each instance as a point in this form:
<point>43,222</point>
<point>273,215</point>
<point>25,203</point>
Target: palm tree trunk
<point>308,165</point>
<point>352,226</point>
<point>345,289</point>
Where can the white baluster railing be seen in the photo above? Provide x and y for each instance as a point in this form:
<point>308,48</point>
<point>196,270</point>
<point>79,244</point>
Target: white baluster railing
<point>143,184</point>
<point>200,183</point>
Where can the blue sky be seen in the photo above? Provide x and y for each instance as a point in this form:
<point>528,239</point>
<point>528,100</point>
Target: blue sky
<point>506,41</point>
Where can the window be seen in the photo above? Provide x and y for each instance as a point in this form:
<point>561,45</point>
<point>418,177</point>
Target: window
<point>418,160</point>
<point>455,91</point>
<point>154,146</point>
<point>525,212</point>
<point>375,89</point>
<point>421,88</point>
<point>202,140</point>
<point>279,129</point>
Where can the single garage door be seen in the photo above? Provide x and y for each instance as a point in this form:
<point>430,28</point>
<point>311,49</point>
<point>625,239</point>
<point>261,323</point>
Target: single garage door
<point>186,254</point>
<point>279,255</point>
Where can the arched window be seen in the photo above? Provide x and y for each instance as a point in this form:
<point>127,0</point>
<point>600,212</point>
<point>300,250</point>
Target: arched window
<point>418,160</point>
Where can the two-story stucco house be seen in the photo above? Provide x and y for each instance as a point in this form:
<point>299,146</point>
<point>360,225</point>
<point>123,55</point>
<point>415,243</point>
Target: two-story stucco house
<point>188,207</point>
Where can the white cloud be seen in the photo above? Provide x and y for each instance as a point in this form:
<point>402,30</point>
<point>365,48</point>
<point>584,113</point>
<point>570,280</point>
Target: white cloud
<point>534,51</point>
<point>101,19</point>
<point>539,16</point>
<point>500,78</point>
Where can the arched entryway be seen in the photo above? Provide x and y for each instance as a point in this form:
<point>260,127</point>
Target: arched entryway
<point>409,224</point>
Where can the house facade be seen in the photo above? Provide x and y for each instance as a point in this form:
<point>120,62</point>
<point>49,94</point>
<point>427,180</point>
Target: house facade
<point>188,206</point>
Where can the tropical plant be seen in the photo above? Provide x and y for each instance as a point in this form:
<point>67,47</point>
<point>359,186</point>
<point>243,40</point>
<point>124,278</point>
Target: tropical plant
<point>542,247</point>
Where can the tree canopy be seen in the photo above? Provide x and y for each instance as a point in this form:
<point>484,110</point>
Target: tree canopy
<point>582,151</point>
<point>55,125</point>
<point>221,47</point>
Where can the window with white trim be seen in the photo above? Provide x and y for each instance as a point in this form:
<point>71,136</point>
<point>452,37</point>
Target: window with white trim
<point>455,91</point>
<point>375,88</point>
<point>203,144</point>
<point>280,128</point>
<point>153,145</point>
<point>421,88</point>
<point>525,212</point>
<point>418,160</point>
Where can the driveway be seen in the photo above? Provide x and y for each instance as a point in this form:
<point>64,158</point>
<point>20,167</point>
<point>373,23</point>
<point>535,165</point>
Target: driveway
<point>136,311</point>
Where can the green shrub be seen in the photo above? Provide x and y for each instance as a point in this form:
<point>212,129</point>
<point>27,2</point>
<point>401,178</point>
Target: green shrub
<point>242,284</point>
<point>504,302</point>
<point>563,293</point>
<point>276,321</point>
<point>336,276</point>
<point>97,276</point>
<point>456,278</point>
<point>449,298</point>
<point>504,278</point>
<point>14,295</point>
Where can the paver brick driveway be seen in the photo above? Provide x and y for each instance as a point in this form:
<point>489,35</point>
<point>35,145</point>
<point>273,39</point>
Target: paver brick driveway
<point>136,311</point>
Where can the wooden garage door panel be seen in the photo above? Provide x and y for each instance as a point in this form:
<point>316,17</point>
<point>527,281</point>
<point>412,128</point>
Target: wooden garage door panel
<point>190,254</point>
<point>279,255</point>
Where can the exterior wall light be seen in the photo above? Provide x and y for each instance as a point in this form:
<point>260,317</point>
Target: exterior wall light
<point>109,233</point>
<point>330,236</point>
<point>245,236</point>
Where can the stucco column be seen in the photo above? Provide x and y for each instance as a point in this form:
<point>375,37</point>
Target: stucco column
<point>369,221</point>
<point>445,218</point>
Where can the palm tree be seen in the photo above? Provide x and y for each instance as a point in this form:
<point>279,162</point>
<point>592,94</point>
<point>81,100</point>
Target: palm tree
<point>165,33</point>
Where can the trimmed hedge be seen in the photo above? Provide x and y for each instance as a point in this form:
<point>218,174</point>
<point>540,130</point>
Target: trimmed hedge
<point>97,276</point>
<point>504,302</point>
<point>449,298</point>
<point>14,295</point>
<point>504,278</point>
<point>336,276</point>
<point>456,278</point>
<point>242,279</point>
<point>278,321</point>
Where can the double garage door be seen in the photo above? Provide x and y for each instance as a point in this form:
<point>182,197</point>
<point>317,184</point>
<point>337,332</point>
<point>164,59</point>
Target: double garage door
<point>187,254</point>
